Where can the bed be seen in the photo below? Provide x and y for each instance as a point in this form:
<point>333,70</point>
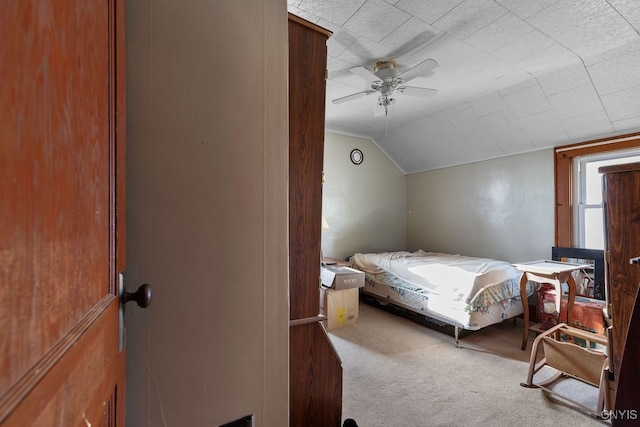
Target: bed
<point>467,293</point>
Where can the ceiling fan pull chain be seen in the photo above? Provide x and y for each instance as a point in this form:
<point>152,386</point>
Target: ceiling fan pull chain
<point>386,133</point>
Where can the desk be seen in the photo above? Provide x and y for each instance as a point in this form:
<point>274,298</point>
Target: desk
<point>553,272</point>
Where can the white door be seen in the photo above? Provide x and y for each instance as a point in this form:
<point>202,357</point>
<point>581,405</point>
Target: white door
<point>207,212</point>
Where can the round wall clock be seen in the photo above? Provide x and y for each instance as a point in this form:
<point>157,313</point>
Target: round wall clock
<point>356,156</point>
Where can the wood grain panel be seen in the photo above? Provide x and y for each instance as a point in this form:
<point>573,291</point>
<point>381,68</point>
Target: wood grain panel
<point>60,390</point>
<point>307,64</point>
<point>564,201</point>
<point>316,387</point>
<point>62,108</point>
<point>629,374</point>
<point>52,227</point>
<point>315,380</point>
<point>621,185</point>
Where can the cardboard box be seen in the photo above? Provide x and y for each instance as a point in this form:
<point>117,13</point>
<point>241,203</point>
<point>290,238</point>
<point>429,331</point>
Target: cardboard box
<point>340,307</point>
<point>340,277</point>
<point>585,314</point>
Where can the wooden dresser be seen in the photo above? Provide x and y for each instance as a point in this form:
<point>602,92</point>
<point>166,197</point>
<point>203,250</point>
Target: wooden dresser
<point>315,384</point>
<point>621,198</point>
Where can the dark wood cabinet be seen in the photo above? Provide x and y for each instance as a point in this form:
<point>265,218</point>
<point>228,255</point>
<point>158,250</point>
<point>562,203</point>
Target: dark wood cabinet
<point>621,202</point>
<point>315,378</point>
<point>629,374</point>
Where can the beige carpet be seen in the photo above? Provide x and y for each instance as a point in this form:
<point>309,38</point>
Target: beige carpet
<point>398,373</point>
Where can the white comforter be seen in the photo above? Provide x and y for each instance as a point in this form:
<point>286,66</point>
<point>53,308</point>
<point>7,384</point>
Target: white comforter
<point>453,277</point>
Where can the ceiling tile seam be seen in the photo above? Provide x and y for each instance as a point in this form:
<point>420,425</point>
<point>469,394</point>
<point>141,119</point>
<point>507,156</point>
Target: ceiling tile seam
<point>354,14</point>
<point>532,115</point>
<point>554,39</point>
<point>550,109</point>
<point>614,56</point>
<point>507,11</point>
<point>595,88</point>
<point>527,17</point>
<point>347,49</point>
<point>429,23</point>
<point>619,91</point>
<point>523,70</point>
<point>381,42</point>
<point>491,53</point>
<point>623,17</point>
<point>396,29</point>
<point>544,9</point>
<point>551,95</point>
<point>448,12</point>
<point>311,17</point>
<point>517,118</point>
<point>463,137</point>
<point>480,117</point>
<point>627,119</point>
<point>578,87</point>
<point>431,43</point>
<point>531,27</point>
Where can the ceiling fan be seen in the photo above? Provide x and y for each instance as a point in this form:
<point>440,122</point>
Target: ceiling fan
<point>387,80</point>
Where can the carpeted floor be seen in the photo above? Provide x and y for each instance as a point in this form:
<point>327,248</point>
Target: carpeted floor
<point>397,373</point>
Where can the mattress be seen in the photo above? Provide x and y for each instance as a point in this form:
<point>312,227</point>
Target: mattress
<point>466,292</point>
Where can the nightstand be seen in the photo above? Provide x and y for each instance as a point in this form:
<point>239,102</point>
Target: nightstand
<point>554,273</point>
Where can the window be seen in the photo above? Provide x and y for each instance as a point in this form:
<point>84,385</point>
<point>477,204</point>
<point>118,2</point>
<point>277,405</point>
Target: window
<point>578,219</point>
<point>589,231</point>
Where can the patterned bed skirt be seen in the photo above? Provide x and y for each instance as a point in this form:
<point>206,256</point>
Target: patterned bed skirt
<point>420,303</point>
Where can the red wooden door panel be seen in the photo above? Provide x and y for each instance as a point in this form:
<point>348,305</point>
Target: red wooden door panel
<point>61,230</point>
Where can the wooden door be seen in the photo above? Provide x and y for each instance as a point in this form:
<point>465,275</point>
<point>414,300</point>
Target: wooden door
<point>61,212</point>
<point>621,201</point>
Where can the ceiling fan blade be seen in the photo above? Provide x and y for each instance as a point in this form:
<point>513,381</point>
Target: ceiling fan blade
<point>352,97</point>
<point>422,69</point>
<point>364,73</point>
<point>422,92</point>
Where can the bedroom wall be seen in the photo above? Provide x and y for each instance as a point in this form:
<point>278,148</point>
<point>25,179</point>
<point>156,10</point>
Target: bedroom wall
<point>364,204</point>
<point>501,208</point>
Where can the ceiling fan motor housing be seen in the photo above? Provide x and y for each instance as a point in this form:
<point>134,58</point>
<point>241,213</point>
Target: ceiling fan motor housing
<point>386,70</point>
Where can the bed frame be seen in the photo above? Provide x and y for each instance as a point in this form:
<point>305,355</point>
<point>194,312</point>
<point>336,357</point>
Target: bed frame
<point>428,318</point>
<point>432,321</point>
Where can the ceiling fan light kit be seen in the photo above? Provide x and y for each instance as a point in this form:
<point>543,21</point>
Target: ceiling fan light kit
<point>386,80</point>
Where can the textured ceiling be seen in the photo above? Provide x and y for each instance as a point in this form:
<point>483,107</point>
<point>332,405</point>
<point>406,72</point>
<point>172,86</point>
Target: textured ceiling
<point>513,76</point>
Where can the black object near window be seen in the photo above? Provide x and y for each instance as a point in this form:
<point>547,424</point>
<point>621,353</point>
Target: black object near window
<point>585,256</point>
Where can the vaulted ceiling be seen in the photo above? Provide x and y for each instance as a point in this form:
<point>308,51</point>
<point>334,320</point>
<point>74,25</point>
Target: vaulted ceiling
<point>513,75</point>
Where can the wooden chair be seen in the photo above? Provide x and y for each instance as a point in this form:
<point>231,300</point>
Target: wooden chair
<point>570,359</point>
